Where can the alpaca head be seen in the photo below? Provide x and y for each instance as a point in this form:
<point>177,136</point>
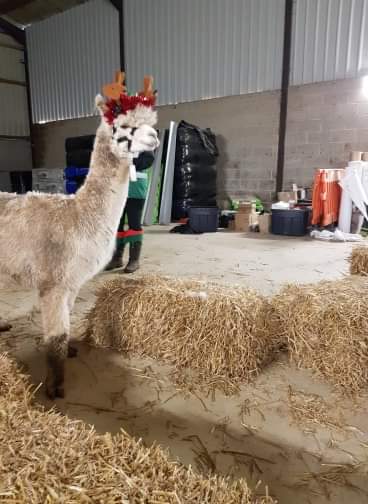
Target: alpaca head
<point>130,121</point>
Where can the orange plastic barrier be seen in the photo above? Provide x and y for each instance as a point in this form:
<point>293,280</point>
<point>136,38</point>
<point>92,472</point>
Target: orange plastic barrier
<point>326,197</point>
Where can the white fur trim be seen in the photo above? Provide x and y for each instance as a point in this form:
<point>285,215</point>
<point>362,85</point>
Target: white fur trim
<point>100,103</point>
<point>140,116</point>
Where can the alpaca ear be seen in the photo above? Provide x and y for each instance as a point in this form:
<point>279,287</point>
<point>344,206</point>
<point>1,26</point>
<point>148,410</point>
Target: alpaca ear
<point>100,104</point>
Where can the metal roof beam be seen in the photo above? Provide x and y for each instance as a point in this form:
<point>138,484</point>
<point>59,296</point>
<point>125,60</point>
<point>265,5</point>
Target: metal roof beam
<point>13,30</point>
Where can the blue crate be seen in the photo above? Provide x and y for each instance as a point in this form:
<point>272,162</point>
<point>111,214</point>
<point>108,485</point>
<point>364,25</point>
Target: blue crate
<point>71,187</point>
<point>71,172</point>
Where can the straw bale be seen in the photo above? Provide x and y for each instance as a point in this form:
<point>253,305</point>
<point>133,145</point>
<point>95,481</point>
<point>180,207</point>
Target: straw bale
<point>325,327</point>
<point>214,336</point>
<point>359,260</point>
<point>47,458</point>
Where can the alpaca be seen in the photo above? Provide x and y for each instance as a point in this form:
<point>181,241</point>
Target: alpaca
<point>55,243</point>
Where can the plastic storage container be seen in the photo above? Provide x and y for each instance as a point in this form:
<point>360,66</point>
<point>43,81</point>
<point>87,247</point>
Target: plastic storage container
<point>47,175</point>
<point>204,219</point>
<point>290,222</point>
<point>75,171</point>
<point>71,187</point>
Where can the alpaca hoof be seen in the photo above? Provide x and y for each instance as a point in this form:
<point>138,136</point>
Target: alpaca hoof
<point>53,392</point>
<point>4,326</point>
<point>72,352</point>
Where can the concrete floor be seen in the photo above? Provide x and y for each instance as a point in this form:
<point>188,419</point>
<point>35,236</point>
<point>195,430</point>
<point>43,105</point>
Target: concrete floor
<point>252,434</point>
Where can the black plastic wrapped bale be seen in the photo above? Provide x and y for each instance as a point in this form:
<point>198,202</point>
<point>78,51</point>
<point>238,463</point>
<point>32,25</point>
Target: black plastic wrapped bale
<point>21,181</point>
<point>195,169</point>
<point>79,143</point>
<point>195,179</point>
<point>79,158</point>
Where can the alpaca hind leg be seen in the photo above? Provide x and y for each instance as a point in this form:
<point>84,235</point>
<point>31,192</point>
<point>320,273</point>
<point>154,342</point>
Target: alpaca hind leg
<point>72,350</point>
<point>56,326</point>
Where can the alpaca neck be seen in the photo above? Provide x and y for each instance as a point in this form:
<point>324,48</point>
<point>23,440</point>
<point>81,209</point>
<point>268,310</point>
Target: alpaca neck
<point>103,195</point>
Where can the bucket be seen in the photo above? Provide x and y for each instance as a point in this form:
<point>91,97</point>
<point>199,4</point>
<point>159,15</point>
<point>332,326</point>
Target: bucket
<point>290,222</point>
<point>204,219</point>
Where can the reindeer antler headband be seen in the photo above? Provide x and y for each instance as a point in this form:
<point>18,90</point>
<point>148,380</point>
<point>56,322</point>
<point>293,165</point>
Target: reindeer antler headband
<point>120,102</point>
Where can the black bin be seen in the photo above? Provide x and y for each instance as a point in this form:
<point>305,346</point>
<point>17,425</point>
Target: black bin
<point>203,219</point>
<point>290,222</point>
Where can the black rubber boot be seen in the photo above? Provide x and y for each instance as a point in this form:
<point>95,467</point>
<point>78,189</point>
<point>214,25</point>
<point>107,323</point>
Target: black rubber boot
<point>117,260</point>
<point>134,255</point>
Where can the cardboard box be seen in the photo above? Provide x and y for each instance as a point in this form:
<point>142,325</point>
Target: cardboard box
<point>264,222</point>
<point>242,222</point>
<point>231,225</point>
<point>285,197</point>
<point>356,156</point>
<point>245,207</point>
<point>253,221</point>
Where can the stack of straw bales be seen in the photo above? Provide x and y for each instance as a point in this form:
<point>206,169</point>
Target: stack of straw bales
<point>222,336</point>
<point>325,328</point>
<point>359,261</point>
<point>46,457</point>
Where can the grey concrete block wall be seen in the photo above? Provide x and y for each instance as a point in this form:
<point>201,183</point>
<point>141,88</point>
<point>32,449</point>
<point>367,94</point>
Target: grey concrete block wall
<point>246,128</point>
<point>325,122</point>
<point>49,139</point>
<point>247,134</point>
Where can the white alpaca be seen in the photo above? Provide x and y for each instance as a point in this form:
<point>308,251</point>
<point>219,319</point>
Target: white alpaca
<point>55,243</point>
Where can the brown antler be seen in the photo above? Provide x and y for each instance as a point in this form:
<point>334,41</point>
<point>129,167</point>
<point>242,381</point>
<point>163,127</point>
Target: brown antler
<point>115,89</point>
<point>147,86</point>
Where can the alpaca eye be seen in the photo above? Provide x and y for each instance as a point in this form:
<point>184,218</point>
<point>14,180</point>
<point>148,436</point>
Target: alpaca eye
<point>114,130</point>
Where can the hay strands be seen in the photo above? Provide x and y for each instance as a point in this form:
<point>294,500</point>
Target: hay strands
<point>188,330</point>
<point>90,467</point>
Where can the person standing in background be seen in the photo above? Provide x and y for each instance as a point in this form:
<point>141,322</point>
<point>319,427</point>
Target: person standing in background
<point>133,213</point>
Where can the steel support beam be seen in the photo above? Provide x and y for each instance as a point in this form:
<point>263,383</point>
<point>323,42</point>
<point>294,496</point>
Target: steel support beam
<point>284,94</point>
<point>13,30</point>
<point>118,4</point>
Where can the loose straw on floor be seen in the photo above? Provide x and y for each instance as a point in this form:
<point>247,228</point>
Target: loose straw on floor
<point>46,457</point>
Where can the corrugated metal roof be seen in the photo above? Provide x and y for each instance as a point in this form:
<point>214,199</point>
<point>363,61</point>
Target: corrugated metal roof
<point>198,49</point>
<point>330,40</point>
<point>33,11</point>
<point>71,56</point>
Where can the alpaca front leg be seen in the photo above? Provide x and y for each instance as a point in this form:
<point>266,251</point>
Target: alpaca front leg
<point>57,351</point>
<point>56,326</point>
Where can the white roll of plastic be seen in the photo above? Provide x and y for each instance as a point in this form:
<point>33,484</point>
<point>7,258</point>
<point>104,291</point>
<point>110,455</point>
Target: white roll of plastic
<point>353,189</point>
<point>365,176</point>
<point>346,205</point>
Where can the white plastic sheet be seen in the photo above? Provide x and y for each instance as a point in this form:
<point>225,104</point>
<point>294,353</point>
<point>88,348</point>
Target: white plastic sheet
<point>354,191</point>
<point>336,236</point>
